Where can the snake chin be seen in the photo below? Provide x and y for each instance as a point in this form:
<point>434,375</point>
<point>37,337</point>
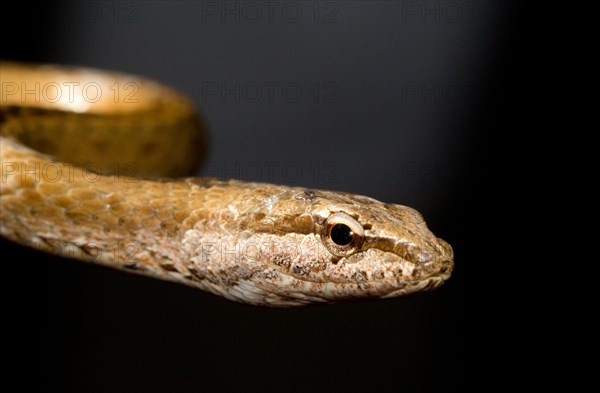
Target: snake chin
<point>345,281</point>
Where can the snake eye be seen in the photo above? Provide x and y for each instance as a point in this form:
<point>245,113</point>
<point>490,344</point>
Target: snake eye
<point>342,234</point>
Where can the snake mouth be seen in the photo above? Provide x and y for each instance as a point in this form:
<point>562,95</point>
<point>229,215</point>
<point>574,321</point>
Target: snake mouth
<point>427,284</point>
<point>308,291</point>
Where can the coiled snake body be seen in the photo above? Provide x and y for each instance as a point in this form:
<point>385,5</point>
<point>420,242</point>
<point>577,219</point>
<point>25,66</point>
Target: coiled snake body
<point>70,141</point>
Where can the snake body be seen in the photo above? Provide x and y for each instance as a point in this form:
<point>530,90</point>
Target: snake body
<point>67,187</point>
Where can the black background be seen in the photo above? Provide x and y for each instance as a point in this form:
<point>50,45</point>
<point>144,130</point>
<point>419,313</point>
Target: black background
<point>83,328</point>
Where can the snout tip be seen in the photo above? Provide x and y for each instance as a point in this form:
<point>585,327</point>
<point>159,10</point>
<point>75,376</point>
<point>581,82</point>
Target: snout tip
<point>446,258</point>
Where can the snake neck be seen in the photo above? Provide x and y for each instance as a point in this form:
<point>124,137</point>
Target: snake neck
<point>185,231</point>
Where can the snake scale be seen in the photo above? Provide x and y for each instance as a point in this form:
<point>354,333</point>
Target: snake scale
<point>90,169</point>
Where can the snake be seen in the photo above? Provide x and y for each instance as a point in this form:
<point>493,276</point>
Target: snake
<point>97,166</point>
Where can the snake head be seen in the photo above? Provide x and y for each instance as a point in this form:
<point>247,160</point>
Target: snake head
<point>342,247</point>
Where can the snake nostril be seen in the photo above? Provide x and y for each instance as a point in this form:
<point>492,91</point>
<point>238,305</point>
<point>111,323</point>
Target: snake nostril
<point>445,249</point>
<point>420,255</point>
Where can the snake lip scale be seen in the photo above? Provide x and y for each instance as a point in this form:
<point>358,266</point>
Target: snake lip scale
<point>130,208</point>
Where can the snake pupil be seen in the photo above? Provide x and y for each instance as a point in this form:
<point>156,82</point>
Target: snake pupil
<point>341,234</point>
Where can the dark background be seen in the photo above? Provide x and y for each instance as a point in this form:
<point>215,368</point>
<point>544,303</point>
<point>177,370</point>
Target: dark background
<point>410,94</point>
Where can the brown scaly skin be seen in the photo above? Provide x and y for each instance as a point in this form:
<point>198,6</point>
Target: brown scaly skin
<point>255,243</point>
